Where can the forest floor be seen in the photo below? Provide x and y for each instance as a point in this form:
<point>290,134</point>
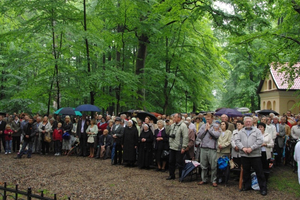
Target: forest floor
<point>87,178</point>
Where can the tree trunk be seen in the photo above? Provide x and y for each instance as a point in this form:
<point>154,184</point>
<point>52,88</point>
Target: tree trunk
<point>140,65</point>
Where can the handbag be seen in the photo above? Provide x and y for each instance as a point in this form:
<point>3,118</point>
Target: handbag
<point>47,137</point>
<point>66,136</point>
<point>164,154</point>
<point>91,139</point>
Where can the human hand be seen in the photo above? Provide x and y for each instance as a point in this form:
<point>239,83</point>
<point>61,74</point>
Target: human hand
<point>182,151</point>
<point>27,136</point>
<point>236,148</point>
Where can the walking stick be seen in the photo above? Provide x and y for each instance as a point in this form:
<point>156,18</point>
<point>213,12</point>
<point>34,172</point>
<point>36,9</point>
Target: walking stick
<point>241,179</point>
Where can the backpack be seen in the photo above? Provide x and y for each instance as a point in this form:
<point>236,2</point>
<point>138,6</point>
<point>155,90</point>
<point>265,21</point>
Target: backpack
<point>223,162</point>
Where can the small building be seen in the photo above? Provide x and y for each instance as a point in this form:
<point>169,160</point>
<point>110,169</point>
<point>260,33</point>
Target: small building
<point>277,93</point>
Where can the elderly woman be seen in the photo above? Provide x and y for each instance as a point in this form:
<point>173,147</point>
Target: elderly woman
<point>235,150</point>
<point>190,155</point>
<point>129,144</point>
<point>67,142</point>
<point>45,131</point>
<point>224,141</point>
<point>92,131</point>
<point>266,147</point>
<point>145,148</point>
<point>161,144</point>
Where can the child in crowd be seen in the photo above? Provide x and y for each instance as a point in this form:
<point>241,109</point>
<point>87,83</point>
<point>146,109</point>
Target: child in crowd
<point>8,139</point>
<point>57,138</point>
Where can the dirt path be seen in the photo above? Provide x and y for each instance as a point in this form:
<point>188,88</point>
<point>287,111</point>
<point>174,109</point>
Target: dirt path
<point>86,178</point>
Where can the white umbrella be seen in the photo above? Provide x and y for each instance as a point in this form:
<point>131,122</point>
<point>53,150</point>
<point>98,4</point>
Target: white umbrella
<point>243,109</point>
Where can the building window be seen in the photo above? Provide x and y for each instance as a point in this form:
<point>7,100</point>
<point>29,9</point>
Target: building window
<point>270,85</point>
<point>264,105</point>
<point>269,105</point>
<point>274,105</point>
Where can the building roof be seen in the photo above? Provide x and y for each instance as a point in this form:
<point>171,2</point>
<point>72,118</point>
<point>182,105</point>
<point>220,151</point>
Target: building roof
<point>281,78</point>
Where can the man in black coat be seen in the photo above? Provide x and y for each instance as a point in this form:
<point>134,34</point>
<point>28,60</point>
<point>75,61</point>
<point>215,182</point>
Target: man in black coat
<point>2,128</point>
<point>117,132</point>
<point>29,135</point>
<point>81,134</point>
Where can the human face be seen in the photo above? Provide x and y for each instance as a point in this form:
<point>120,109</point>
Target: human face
<point>224,118</point>
<point>209,120</point>
<point>129,124</point>
<point>160,125</point>
<point>288,113</point>
<point>147,121</point>
<point>239,126</point>
<point>105,132</point>
<point>264,120</point>
<point>223,126</point>
<point>177,118</point>
<point>45,119</point>
<point>146,128</point>
<point>262,129</point>
<point>248,122</point>
<point>275,120</point>
<point>283,120</point>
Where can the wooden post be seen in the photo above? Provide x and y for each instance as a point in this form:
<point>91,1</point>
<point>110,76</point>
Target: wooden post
<point>241,178</point>
<point>29,194</point>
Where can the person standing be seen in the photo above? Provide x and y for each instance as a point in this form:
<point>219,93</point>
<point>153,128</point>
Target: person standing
<point>2,128</point>
<point>44,129</point>
<point>117,132</point>
<point>29,135</point>
<point>37,138</point>
<point>209,134</point>
<point>249,140</point>
<point>279,140</point>
<point>129,143</point>
<point>178,142</point>
<point>81,134</point>
<point>16,136</point>
<point>297,157</point>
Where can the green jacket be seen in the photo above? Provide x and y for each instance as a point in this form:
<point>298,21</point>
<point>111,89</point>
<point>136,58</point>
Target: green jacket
<point>181,139</point>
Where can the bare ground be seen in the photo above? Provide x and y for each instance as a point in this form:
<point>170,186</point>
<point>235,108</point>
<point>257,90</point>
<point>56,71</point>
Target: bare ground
<point>86,178</point>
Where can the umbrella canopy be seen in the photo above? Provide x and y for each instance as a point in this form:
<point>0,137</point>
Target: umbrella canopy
<point>66,111</point>
<point>77,113</point>
<point>88,107</point>
<point>186,170</point>
<point>229,112</point>
<point>2,113</point>
<point>266,112</point>
<point>243,109</point>
<point>156,114</point>
<point>140,114</point>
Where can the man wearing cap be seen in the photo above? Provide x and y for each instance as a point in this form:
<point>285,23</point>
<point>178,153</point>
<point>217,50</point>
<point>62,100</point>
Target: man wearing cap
<point>249,141</point>
<point>117,133</point>
<point>178,140</point>
<point>81,134</point>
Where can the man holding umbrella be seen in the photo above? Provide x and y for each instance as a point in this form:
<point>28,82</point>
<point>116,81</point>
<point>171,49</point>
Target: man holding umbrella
<point>81,134</point>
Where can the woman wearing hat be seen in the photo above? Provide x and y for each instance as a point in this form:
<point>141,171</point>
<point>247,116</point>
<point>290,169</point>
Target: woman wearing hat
<point>266,147</point>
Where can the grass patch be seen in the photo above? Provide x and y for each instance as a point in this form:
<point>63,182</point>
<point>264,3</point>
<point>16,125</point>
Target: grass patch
<point>285,180</point>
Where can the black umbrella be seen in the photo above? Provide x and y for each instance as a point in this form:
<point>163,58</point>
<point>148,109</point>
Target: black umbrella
<point>188,168</point>
<point>67,111</point>
<point>88,107</point>
<point>143,114</point>
<point>2,113</point>
<point>266,112</point>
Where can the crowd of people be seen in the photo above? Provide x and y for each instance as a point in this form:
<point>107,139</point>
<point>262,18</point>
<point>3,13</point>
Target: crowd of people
<point>250,141</point>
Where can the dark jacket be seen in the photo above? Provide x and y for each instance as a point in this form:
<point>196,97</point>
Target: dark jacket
<point>78,131</point>
<point>130,141</point>
<point>109,140</point>
<point>163,144</point>
<point>2,128</point>
<point>29,129</point>
<point>118,132</point>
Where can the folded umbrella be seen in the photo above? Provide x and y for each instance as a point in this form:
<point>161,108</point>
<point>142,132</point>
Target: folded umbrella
<point>188,168</point>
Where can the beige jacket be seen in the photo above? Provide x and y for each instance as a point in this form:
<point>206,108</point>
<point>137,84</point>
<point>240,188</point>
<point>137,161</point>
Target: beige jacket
<point>225,142</point>
<point>270,144</point>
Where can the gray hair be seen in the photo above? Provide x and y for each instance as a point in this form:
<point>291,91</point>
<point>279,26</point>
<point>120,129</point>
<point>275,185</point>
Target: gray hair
<point>160,122</point>
<point>248,118</point>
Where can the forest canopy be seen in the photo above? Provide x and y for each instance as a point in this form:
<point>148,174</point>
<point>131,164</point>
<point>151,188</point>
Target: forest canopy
<point>163,56</point>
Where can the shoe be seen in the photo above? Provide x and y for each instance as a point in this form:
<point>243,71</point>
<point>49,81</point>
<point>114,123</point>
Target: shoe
<point>58,154</point>
<point>246,189</point>
<point>163,170</point>
<point>201,183</point>
<point>5,153</point>
<point>170,178</point>
<point>9,152</point>
<point>215,185</point>
<point>158,169</point>
<point>55,154</point>
<point>264,193</point>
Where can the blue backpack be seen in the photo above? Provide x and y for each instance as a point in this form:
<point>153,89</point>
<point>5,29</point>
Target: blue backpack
<point>223,162</point>
<point>66,136</point>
